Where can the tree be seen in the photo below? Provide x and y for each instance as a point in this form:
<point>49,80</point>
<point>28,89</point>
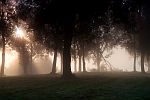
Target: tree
<point>74,53</point>
<point>54,62</point>
<point>64,14</point>
<point>134,21</point>
<point>66,18</point>
<point>7,13</point>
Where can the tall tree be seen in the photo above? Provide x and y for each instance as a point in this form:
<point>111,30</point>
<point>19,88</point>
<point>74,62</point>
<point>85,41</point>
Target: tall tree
<point>7,13</point>
<point>54,62</point>
<point>64,14</point>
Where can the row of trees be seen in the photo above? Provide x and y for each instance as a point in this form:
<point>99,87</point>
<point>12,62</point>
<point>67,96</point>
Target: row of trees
<point>138,31</point>
<point>82,29</point>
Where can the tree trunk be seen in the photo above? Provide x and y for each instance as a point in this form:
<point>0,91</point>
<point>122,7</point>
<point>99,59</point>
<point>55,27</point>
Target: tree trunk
<point>67,53</point>
<point>142,62</point>
<point>54,62</point>
<point>79,62</point>
<point>31,61</point>
<point>3,41</point>
<point>83,58</point>
<point>25,59</point>
<point>134,62</point>
<point>3,55</point>
<point>75,58</point>
<point>75,64</point>
<point>148,62</point>
<point>61,55</point>
<point>79,54</point>
<point>98,60</point>
<point>134,66</point>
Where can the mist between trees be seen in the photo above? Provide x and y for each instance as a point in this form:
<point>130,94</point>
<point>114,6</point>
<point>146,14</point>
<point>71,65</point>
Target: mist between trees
<point>74,31</point>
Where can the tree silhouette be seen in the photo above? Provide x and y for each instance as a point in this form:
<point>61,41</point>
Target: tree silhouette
<point>7,13</point>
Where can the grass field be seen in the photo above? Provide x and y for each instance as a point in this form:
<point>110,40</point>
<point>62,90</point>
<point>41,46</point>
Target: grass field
<point>90,86</point>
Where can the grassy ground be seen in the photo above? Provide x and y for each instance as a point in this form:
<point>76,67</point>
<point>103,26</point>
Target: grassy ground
<point>91,86</point>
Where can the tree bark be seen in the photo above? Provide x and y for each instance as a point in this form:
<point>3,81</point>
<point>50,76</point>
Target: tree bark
<point>3,55</point>
<point>79,54</point>
<point>134,66</point>
<point>98,60</point>
<point>75,58</point>
<point>79,62</point>
<point>83,57</point>
<point>24,56</point>
<point>54,62</point>
<point>142,62</point>
<point>31,61</point>
<point>67,54</point>
<point>25,59</point>
<point>75,64</point>
<point>3,41</point>
<point>61,55</point>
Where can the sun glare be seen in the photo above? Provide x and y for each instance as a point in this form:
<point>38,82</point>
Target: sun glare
<point>19,32</point>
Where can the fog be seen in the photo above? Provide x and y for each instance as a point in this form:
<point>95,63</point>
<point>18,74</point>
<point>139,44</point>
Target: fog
<point>41,65</point>
<point>120,60</point>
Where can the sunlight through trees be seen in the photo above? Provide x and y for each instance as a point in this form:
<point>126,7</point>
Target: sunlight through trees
<point>75,34</point>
